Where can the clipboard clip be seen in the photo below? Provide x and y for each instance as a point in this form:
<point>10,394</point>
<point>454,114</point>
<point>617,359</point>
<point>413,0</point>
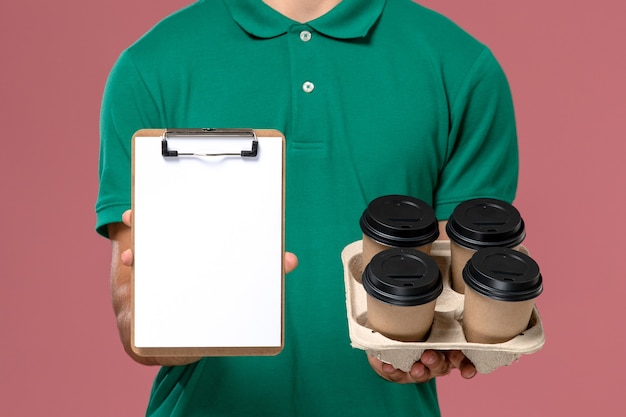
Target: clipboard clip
<point>208,132</point>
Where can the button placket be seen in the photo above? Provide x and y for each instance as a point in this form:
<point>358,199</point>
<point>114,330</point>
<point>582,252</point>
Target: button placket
<point>304,45</point>
<point>306,36</point>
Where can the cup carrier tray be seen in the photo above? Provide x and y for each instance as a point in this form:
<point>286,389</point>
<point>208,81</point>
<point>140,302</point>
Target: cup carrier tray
<point>446,332</point>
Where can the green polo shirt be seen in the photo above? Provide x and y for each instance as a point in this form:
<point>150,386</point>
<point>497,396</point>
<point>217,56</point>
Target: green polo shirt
<point>376,97</point>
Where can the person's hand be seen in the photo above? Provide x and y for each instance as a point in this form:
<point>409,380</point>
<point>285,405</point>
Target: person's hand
<point>127,255</point>
<point>122,261</point>
<point>432,364</point>
<point>291,260</point>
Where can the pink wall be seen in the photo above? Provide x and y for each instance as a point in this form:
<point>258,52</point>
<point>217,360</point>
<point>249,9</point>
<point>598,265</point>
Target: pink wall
<point>58,344</point>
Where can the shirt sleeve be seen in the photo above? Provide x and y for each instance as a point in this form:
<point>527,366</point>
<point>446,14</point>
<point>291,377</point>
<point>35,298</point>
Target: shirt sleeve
<point>127,106</point>
<point>482,153</point>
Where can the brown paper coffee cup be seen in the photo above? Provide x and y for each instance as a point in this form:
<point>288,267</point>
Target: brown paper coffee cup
<point>397,221</point>
<point>486,320</point>
<point>459,256</point>
<point>402,286</point>
<point>501,287</point>
<point>403,323</point>
<point>481,223</point>
<point>372,247</point>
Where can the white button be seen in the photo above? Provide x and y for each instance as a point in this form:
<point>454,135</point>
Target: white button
<point>308,87</point>
<point>305,36</point>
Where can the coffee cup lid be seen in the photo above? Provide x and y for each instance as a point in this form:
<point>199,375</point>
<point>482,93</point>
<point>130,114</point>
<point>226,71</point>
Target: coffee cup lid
<point>397,220</point>
<point>484,222</point>
<point>403,277</point>
<point>503,274</point>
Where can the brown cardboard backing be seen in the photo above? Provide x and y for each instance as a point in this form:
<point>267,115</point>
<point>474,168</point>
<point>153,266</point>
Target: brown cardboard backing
<point>446,332</point>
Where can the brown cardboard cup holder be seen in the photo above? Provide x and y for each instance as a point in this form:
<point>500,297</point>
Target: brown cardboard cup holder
<point>446,332</point>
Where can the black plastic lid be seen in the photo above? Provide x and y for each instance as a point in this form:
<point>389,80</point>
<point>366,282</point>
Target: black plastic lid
<point>485,222</point>
<point>503,274</point>
<point>403,277</point>
<point>397,220</point>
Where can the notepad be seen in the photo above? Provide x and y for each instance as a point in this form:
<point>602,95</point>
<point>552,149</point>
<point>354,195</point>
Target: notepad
<point>208,233</point>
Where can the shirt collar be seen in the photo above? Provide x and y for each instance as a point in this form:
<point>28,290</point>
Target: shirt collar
<point>349,19</point>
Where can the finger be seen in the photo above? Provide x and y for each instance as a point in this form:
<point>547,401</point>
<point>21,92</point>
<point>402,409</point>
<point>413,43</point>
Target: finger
<point>419,373</point>
<point>467,369</point>
<point>127,217</point>
<point>462,363</point>
<point>291,262</point>
<point>436,362</point>
<point>396,375</point>
<point>127,257</point>
<point>388,372</point>
<point>456,358</point>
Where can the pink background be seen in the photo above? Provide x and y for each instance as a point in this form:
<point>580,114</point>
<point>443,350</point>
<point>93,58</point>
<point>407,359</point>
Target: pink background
<point>59,352</point>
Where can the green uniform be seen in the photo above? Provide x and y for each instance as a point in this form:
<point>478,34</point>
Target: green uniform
<point>376,97</point>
